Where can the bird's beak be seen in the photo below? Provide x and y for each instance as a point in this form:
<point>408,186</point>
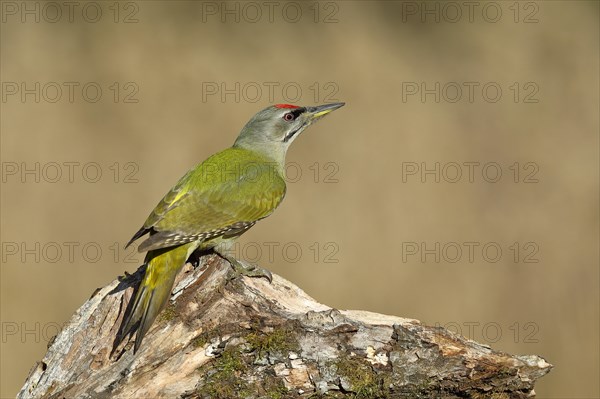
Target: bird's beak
<point>319,111</point>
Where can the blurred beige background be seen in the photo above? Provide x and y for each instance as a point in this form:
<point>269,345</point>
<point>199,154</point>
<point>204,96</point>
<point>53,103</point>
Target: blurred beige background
<point>177,84</point>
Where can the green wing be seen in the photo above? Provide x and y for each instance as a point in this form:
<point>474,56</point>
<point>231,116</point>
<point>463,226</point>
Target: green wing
<point>224,196</point>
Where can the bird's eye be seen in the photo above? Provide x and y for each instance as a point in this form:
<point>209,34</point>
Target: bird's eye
<point>289,117</point>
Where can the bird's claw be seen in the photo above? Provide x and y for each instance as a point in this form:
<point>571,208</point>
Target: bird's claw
<point>243,268</point>
<point>252,271</point>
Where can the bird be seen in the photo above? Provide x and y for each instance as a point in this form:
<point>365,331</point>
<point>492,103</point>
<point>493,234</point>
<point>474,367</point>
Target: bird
<point>212,205</point>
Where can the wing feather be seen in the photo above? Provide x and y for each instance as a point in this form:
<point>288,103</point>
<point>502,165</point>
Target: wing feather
<point>210,201</point>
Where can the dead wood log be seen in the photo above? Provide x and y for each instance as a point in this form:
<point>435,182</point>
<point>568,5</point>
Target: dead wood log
<point>224,337</point>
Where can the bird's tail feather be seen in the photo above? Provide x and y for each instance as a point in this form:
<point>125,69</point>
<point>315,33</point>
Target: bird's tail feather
<point>153,293</point>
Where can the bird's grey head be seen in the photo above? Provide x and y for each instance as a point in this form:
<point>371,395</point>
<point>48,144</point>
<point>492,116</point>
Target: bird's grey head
<point>273,129</point>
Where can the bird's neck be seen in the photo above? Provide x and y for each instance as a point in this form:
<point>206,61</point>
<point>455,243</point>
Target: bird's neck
<point>272,152</point>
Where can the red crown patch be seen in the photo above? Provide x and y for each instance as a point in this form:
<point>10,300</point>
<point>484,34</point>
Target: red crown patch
<point>286,106</point>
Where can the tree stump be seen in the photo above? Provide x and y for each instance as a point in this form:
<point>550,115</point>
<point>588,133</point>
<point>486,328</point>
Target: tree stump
<point>226,337</point>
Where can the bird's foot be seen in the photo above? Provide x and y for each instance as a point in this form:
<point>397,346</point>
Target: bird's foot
<point>243,268</point>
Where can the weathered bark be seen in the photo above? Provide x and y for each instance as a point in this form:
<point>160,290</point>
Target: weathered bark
<point>243,337</point>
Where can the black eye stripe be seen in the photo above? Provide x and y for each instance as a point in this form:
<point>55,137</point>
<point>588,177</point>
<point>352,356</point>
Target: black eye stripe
<point>295,113</point>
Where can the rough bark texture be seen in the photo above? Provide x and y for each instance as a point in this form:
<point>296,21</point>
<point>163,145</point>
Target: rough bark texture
<point>245,338</point>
